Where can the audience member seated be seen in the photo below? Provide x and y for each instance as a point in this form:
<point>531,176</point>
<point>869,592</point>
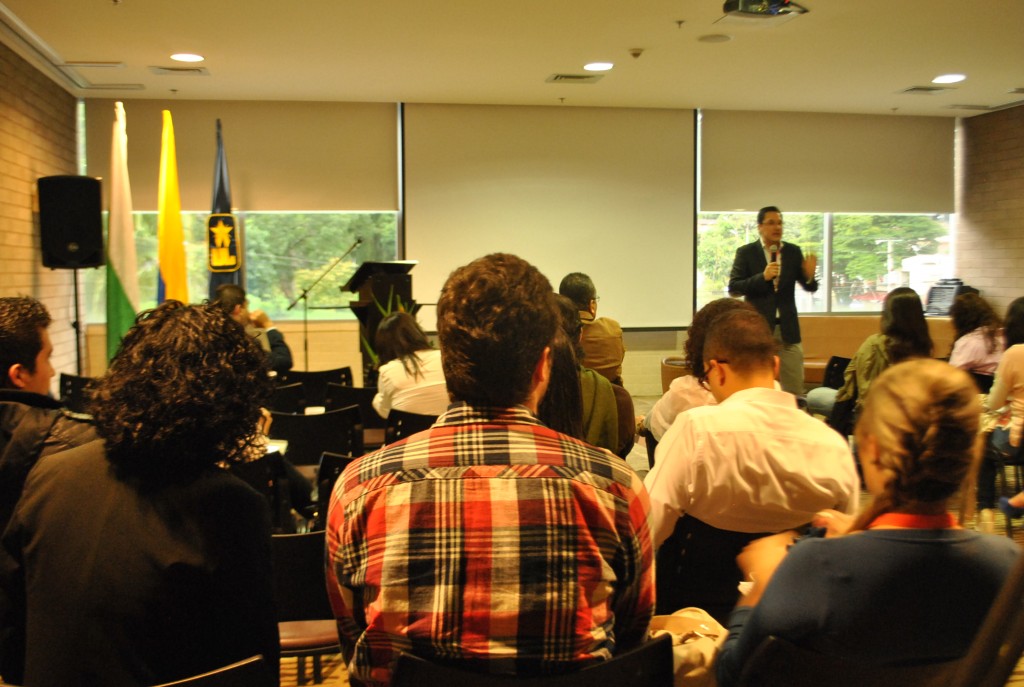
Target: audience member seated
<point>907,585</point>
<point>686,391</point>
<point>410,377</point>
<point>561,409</point>
<point>903,335</point>
<point>490,542</point>
<point>603,349</point>
<point>1007,396</point>
<point>1012,507</point>
<point>753,464</point>
<point>979,340</point>
<point>232,299</point>
<point>32,424</point>
<point>136,560</point>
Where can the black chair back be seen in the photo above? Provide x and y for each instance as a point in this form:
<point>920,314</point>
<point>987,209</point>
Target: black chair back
<point>315,383</point>
<point>402,424</point>
<point>252,672</point>
<point>308,436</point>
<point>648,665</point>
<point>984,382</point>
<point>339,396</point>
<point>835,368</point>
<point>331,467</point>
<point>73,391</point>
<point>697,567</point>
<point>268,476</point>
<point>779,663</point>
<point>300,583</point>
<point>288,398</point>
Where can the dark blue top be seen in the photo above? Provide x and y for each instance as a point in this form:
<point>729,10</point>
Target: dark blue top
<point>880,596</point>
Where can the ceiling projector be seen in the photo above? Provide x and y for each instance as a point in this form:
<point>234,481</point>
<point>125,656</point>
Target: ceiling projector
<point>762,8</point>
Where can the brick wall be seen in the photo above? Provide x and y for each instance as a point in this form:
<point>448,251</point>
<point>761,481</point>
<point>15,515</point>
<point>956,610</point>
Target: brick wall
<point>990,203</point>
<point>37,138</point>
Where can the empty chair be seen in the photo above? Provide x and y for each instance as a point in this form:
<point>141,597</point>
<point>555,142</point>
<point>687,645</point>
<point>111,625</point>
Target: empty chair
<point>308,436</point>
<point>648,665</point>
<point>315,383</point>
<point>983,381</point>
<point>780,663</point>
<point>73,391</point>
<point>288,398</point>
<point>402,424</point>
<point>267,475</point>
<point>252,672</point>
<point>305,619</point>
<point>331,467</point>
<point>339,396</point>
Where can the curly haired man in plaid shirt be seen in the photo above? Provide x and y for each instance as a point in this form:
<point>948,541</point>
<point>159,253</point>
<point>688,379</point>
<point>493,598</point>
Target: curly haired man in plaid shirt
<point>490,541</point>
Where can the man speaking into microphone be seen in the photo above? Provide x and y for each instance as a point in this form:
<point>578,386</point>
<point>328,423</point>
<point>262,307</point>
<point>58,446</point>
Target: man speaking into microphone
<point>765,273</point>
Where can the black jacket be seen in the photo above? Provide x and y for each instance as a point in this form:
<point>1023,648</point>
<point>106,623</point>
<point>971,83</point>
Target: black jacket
<point>747,279</point>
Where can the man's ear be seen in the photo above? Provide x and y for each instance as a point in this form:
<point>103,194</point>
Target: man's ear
<point>542,372</point>
<point>777,366</point>
<point>14,375</point>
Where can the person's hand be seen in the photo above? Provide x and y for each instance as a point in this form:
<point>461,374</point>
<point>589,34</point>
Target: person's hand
<point>835,523</point>
<point>263,424</point>
<point>810,265</point>
<point>759,559</point>
<point>771,271</point>
<point>260,320</point>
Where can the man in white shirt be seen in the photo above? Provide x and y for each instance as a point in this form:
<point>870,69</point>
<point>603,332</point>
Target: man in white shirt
<point>726,474</point>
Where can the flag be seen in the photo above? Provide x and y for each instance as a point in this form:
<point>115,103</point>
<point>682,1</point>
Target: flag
<point>172,278</point>
<point>122,272</point>
<point>223,236</point>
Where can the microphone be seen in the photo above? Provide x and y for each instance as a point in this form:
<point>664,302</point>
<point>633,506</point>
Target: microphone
<point>774,250</point>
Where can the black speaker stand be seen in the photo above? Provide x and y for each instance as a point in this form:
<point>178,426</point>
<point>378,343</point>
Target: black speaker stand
<point>76,325</point>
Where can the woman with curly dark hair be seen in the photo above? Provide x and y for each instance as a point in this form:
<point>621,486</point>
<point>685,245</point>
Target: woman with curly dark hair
<point>138,559</point>
<point>979,335</point>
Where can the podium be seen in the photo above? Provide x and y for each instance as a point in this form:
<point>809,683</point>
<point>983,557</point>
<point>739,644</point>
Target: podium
<point>383,288</point>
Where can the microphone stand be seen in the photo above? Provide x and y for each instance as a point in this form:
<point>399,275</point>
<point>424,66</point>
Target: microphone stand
<point>304,297</point>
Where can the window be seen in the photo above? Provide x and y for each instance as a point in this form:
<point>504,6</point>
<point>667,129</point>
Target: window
<point>860,257</point>
<point>284,253</point>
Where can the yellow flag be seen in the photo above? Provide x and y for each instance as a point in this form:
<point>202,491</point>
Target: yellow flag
<point>172,278</point>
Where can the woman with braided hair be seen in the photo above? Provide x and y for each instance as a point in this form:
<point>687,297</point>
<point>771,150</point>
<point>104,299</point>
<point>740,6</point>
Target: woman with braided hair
<point>904,582</point>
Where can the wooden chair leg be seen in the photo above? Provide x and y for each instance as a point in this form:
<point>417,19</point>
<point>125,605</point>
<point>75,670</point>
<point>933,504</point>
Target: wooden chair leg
<point>318,673</point>
<point>300,670</point>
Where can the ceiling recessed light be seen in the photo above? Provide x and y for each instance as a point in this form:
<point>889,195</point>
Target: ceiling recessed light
<point>598,66</point>
<point>949,78</point>
<point>187,57</point>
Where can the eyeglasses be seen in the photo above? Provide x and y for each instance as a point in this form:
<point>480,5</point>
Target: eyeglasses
<point>703,378</point>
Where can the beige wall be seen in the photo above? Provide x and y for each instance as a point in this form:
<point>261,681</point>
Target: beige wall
<point>990,230</point>
<point>37,138</point>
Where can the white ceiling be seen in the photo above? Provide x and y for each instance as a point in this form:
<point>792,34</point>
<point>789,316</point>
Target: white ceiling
<point>843,56</point>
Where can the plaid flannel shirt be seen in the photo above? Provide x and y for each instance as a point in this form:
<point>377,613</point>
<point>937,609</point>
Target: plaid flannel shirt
<point>490,542</point>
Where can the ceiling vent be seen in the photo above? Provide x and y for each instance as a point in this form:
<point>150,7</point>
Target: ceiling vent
<point>574,78</point>
<point>925,90</point>
<point>986,108</point>
<point>179,71</point>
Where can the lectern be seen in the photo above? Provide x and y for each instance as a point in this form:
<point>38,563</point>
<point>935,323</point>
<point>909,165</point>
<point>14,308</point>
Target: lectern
<point>383,288</point>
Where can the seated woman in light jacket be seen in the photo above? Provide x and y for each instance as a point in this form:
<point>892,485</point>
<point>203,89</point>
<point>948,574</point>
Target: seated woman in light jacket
<point>979,335</point>
<point>908,584</point>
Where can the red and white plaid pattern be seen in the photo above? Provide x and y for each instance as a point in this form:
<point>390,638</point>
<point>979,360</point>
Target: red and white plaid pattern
<point>491,542</point>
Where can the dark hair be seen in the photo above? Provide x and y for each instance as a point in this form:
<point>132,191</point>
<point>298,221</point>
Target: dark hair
<point>904,326</point>
<point>971,312</point>
<point>693,349</point>
<point>398,338</point>
<point>742,338</point>
<point>229,297</point>
<point>579,288</point>
<point>22,321</point>
<point>182,394</point>
<point>924,416</point>
<point>764,211</point>
<point>495,316</point>
<point>1014,325</point>
<point>561,408</point>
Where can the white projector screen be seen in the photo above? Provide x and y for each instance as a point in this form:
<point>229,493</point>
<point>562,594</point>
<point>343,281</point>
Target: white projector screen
<point>608,192</point>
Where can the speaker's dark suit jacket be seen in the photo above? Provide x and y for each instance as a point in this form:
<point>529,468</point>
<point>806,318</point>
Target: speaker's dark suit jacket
<point>747,279</point>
